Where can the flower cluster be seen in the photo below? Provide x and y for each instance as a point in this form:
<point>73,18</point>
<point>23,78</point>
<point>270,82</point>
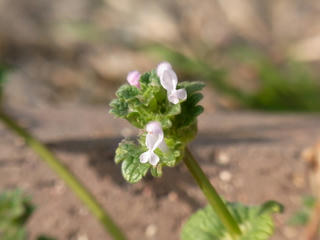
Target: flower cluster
<point>166,110</point>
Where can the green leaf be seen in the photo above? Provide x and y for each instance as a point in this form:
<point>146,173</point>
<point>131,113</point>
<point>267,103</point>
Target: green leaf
<point>132,170</point>
<point>197,110</point>
<point>154,78</point>
<point>136,119</point>
<point>124,149</point>
<point>119,108</point>
<point>300,218</point>
<point>148,96</point>
<point>127,92</point>
<point>128,153</point>
<point>145,79</point>
<point>255,222</point>
<point>195,98</point>
<point>156,171</point>
<point>174,109</point>
<point>309,201</point>
<point>191,87</point>
<point>165,123</point>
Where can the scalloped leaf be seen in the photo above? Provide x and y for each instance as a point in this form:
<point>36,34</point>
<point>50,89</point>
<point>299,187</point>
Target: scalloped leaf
<point>124,149</point>
<point>192,87</point>
<point>127,92</point>
<point>174,109</point>
<point>145,79</point>
<point>255,222</point>
<point>132,170</point>
<point>128,153</point>
<point>136,120</point>
<point>119,108</point>
<point>195,98</point>
<point>156,171</point>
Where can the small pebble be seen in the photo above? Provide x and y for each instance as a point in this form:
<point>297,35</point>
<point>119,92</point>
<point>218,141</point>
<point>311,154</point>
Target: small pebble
<point>151,230</point>
<point>19,142</point>
<point>223,158</point>
<point>298,181</point>
<point>225,176</point>
<point>83,212</point>
<point>83,237</point>
<point>172,196</point>
<point>290,232</point>
<point>147,191</point>
<point>59,188</point>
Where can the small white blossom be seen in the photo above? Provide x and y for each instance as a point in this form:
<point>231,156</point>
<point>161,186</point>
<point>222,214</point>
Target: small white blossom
<point>154,140</point>
<point>169,80</point>
<point>133,78</point>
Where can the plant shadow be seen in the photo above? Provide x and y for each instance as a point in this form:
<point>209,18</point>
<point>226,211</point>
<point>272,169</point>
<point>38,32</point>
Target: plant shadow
<point>100,152</point>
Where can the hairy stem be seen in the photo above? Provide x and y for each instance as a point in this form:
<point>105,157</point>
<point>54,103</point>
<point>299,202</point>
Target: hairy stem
<point>62,171</point>
<point>211,194</point>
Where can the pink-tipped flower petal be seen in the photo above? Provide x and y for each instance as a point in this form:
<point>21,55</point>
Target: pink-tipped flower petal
<point>133,78</point>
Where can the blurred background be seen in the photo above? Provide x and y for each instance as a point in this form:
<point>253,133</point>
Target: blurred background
<point>254,54</point>
<point>63,60</point>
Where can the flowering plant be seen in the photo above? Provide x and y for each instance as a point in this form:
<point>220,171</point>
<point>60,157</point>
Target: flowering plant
<point>167,111</point>
<point>156,103</point>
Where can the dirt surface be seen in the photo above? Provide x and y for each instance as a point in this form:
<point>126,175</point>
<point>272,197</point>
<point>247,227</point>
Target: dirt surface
<point>249,157</point>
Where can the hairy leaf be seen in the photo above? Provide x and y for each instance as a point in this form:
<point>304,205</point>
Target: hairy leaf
<point>128,153</point>
<point>119,108</point>
<point>192,87</point>
<point>127,92</point>
<point>255,222</point>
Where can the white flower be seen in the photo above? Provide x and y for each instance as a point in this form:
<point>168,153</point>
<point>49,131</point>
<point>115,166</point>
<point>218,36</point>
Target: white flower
<point>169,81</point>
<point>154,139</point>
<point>133,78</point>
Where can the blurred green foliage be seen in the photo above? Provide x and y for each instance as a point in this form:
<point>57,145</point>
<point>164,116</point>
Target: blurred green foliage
<point>302,216</point>
<point>282,86</point>
<point>3,72</point>
<point>195,68</point>
<point>15,210</point>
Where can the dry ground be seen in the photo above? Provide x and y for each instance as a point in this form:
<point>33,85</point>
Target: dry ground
<point>250,157</point>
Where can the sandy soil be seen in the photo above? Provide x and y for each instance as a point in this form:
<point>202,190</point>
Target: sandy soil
<point>249,157</point>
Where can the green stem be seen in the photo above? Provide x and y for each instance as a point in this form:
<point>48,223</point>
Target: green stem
<point>213,197</point>
<point>86,197</point>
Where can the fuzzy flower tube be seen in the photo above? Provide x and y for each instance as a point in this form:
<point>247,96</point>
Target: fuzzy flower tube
<point>154,139</point>
<point>166,111</point>
<point>169,81</point>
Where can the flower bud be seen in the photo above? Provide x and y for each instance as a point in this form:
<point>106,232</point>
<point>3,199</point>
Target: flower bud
<point>133,78</point>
